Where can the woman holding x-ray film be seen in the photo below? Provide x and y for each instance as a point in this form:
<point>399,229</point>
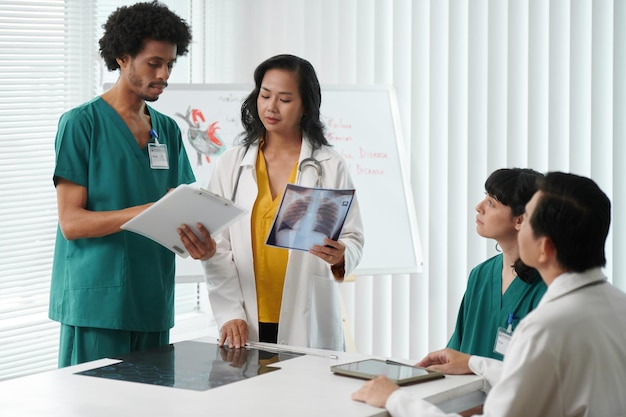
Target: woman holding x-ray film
<point>264,293</point>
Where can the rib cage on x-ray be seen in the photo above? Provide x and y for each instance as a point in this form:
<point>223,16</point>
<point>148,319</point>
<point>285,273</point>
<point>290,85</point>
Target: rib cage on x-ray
<point>306,216</point>
<point>303,210</point>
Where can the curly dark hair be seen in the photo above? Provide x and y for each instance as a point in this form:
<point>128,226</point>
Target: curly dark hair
<point>310,92</point>
<point>128,27</point>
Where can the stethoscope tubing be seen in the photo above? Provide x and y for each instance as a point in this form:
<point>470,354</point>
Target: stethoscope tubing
<point>306,162</point>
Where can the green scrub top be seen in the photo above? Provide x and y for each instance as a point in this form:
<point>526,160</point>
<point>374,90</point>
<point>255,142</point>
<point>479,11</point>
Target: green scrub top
<point>484,308</point>
<point>121,281</point>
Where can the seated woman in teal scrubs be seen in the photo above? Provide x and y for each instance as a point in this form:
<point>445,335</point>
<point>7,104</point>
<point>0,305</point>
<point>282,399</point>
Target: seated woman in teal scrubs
<point>501,290</point>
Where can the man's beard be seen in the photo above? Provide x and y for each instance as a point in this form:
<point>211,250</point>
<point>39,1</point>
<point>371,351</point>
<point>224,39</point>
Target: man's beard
<point>136,82</point>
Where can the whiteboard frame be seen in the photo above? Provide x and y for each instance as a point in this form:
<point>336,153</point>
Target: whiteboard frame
<point>406,184</point>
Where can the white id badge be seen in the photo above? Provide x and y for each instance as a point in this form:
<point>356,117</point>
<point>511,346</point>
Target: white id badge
<point>158,156</point>
<point>502,341</point>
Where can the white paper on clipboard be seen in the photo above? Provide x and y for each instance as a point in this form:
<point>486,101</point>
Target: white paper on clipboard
<point>185,204</point>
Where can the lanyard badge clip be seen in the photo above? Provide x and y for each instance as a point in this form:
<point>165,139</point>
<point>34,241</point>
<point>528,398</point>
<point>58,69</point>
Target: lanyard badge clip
<point>504,337</point>
<point>158,153</point>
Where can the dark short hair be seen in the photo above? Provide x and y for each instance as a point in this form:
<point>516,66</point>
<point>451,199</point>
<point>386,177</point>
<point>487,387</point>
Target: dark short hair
<point>128,27</point>
<point>514,187</point>
<point>575,214</point>
<point>310,93</point>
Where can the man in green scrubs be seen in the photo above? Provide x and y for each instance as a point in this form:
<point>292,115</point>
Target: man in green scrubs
<point>112,290</point>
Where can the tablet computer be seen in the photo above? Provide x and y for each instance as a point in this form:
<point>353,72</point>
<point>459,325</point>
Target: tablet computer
<point>399,373</point>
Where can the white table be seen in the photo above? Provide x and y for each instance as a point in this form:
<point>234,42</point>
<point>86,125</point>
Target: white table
<point>303,387</point>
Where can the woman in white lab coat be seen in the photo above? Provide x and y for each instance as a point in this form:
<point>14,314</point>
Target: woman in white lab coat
<point>264,293</point>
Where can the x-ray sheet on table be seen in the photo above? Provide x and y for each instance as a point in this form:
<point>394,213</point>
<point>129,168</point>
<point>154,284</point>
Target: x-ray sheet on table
<point>308,215</point>
<point>192,365</point>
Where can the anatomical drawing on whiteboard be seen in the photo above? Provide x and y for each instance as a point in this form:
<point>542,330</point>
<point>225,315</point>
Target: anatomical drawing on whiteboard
<point>308,215</point>
<point>202,135</point>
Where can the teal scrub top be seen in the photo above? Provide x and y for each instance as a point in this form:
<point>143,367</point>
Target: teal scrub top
<point>484,308</point>
<point>121,281</point>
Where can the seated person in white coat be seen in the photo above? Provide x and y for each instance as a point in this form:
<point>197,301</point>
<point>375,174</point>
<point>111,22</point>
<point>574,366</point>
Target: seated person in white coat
<point>265,293</point>
<point>567,357</point>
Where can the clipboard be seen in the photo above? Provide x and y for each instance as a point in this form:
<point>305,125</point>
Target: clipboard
<point>399,373</point>
<point>185,204</point>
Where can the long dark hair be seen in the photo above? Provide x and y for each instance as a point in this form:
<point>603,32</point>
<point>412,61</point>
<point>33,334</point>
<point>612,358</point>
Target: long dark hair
<point>514,187</point>
<point>310,93</point>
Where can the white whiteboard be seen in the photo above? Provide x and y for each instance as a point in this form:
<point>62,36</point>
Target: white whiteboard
<point>362,124</point>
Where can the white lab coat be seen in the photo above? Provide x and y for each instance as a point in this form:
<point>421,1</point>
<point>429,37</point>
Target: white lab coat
<point>310,314</point>
<point>566,358</point>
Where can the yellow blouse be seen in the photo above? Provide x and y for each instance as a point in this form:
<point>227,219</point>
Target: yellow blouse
<point>270,263</point>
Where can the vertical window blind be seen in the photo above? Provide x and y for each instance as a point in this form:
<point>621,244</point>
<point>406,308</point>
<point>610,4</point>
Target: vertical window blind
<point>34,91</point>
<point>481,85</point>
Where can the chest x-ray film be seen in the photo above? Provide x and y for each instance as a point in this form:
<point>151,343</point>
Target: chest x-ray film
<point>306,216</point>
<point>192,365</point>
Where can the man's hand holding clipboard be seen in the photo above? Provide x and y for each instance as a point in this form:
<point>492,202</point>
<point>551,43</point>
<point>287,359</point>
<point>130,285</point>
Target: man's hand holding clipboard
<point>185,219</point>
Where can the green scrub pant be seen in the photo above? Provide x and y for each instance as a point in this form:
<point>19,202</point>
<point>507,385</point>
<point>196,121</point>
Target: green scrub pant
<point>84,344</point>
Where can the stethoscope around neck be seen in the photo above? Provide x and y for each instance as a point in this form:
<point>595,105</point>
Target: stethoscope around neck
<point>309,162</point>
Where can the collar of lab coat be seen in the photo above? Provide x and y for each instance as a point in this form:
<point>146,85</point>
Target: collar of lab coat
<point>249,158</point>
<point>572,281</point>
<point>321,154</point>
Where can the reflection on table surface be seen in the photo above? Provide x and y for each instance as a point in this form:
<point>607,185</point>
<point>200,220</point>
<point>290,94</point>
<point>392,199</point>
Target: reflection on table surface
<point>192,365</point>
